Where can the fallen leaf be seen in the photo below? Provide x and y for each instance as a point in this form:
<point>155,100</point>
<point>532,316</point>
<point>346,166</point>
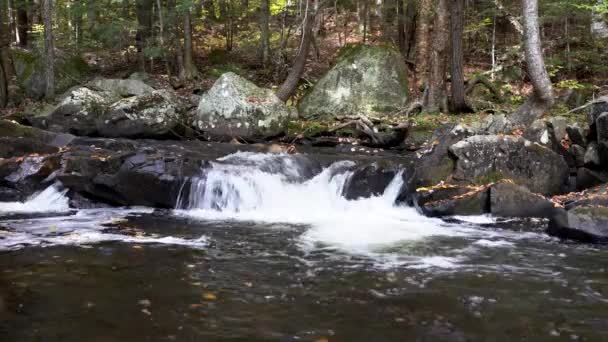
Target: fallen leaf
<point>209,296</point>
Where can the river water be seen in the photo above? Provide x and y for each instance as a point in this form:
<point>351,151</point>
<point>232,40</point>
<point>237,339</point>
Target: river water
<point>256,250</point>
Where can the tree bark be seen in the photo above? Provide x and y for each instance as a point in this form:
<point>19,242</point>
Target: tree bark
<point>49,48</point>
<point>290,84</point>
<point>435,99</point>
<point>542,97</point>
<point>457,74</point>
<point>423,38</point>
<point>264,49</point>
<point>22,25</point>
<point>5,41</point>
<point>189,70</point>
<point>144,30</point>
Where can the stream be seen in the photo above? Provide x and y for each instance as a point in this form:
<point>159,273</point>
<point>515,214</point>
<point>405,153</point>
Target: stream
<point>258,250</point>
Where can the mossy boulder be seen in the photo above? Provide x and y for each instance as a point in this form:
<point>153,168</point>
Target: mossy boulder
<point>235,106</point>
<point>367,80</point>
<point>529,164</point>
<point>29,68</point>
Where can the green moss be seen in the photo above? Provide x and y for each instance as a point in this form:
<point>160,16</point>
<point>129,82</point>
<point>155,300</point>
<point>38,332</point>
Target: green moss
<point>442,171</point>
<point>25,64</point>
<point>598,212</point>
<point>491,177</point>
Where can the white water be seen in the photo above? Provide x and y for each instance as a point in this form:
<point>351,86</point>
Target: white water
<point>50,200</point>
<point>365,226</point>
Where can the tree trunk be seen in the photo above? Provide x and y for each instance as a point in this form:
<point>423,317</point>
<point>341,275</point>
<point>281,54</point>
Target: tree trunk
<point>22,25</point>
<point>457,74</point>
<point>290,84</point>
<point>5,41</point>
<point>144,30</point>
<point>189,70</point>
<point>264,50</point>
<point>435,100</point>
<point>401,40</point>
<point>542,98</point>
<point>423,38</point>
<point>49,56</point>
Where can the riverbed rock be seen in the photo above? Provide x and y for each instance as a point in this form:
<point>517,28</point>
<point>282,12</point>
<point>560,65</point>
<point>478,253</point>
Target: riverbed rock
<point>577,134</point>
<point>372,180</point>
<point>482,159</point>
<point>592,155</point>
<point>602,138</point>
<point>235,107</point>
<point>366,80</point>
<point>599,106</point>
<point>578,154</point>
<point>508,199</point>
<point>586,178</point>
<point>449,200</point>
<point>150,115</point>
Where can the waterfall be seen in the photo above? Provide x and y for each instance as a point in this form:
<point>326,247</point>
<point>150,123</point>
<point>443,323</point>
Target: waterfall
<point>52,199</point>
<point>271,188</point>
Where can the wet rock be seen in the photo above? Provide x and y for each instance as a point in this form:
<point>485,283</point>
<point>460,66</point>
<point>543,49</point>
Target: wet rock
<point>508,199</point>
<point>366,80</point>
<point>582,223</point>
<point>592,156</point>
<point>483,159</point>
<point>448,200</point>
<point>154,114</point>
<point>236,107</point>
<point>371,180</point>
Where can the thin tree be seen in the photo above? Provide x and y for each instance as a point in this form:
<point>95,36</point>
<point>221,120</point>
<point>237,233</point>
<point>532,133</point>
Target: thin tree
<point>435,99</point>
<point>542,97</point>
<point>144,29</point>
<point>189,70</point>
<point>423,38</point>
<point>49,56</point>
<point>457,74</point>
<point>264,49</point>
<point>4,45</point>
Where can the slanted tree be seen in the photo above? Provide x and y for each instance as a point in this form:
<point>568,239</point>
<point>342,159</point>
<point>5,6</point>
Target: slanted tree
<point>435,98</point>
<point>49,48</point>
<point>290,84</point>
<point>542,97</point>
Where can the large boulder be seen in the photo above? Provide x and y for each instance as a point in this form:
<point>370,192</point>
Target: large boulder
<point>450,199</point>
<point>77,112</point>
<point>119,87</point>
<point>508,199</point>
<point>485,158</point>
<point>236,107</point>
<point>602,138</point>
<point>150,115</point>
<point>29,69</point>
<point>367,80</point>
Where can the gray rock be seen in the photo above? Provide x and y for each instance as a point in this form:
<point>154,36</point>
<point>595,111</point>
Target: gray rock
<point>236,107</point>
<point>557,127</point>
<point>508,199</point>
<point>577,134</point>
<point>119,88</point>
<point>448,200</point>
<point>578,154</point>
<point>599,106</point>
<point>592,157</point>
<point>366,80</point>
<point>538,132</point>
<point>582,223</point>
<point>485,158</point>
<point>586,178</point>
<point>602,138</point>
<point>150,115</point>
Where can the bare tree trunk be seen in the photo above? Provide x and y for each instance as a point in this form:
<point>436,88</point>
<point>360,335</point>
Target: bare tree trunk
<point>189,70</point>
<point>457,74</point>
<point>290,84</point>
<point>436,96</point>
<point>401,42</point>
<point>423,38</point>
<point>264,50</point>
<point>22,25</point>
<point>365,20</point>
<point>144,30</point>
<point>5,41</point>
<point>49,56</point>
<point>542,98</point>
